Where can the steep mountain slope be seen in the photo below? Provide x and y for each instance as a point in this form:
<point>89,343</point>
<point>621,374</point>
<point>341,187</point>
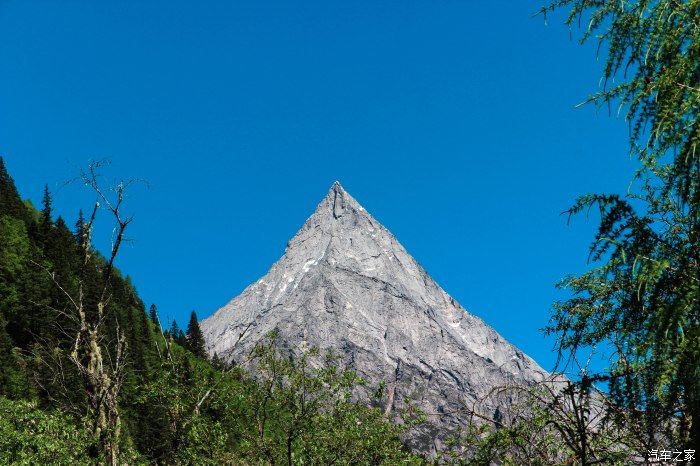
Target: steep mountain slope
<point>346,284</point>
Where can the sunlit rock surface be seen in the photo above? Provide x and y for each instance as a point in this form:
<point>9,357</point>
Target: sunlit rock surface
<point>346,284</point>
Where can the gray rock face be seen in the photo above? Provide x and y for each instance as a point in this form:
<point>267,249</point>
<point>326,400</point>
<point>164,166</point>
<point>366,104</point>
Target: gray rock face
<point>346,284</point>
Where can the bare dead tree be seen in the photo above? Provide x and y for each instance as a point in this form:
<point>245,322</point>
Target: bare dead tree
<point>100,361</point>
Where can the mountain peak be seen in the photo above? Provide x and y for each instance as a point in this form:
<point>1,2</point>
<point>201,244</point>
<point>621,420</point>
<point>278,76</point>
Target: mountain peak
<point>336,190</point>
<point>336,204</point>
<point>337,186</point>
<point>347,285</point>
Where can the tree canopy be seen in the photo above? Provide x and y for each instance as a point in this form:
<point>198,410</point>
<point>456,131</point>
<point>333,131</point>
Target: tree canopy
<point>641,300</point>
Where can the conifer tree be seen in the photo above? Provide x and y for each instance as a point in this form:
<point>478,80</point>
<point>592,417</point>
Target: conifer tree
<point>79,227</point>
<point>59,245</point>
<point>153,314</point>
<point>47,207</point>
<point>140,338</point>
<point>195,337</point>
<point>10,201</point>
<point>176,334</point>
<point>174,329</point>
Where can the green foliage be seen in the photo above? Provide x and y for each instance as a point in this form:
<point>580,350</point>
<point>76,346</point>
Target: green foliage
<point>354,434</point>
<point>289,414</point>
<point>171,429</point>
<point>10,202</point>
<point>30,436</point>
<point>642,299</point>
<point>195,338</point>
<point>14,255</point>
<point>305,415</point>
<point>47,208</point>
<point>153,314</point>
<point>14,382</point>
<point>177,334</point>
<point>653,60</point>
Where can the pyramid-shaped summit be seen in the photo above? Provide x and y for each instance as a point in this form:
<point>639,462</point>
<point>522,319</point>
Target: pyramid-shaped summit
<point>345,283</point>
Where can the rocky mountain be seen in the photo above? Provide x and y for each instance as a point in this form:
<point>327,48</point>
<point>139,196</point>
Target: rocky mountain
<point>346,284</point>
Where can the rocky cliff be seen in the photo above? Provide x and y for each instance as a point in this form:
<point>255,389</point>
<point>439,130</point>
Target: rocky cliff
<point>346,284</point>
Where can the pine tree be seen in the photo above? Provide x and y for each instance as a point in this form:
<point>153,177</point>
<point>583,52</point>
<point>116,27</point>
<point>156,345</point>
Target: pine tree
<point>79,228</point>
<point>59,246</point>
<point>59,249</point>
<point>176,334</point>
<point>10,202</point>
<point>153,314</point>
<point>47,207</point>
<point>141,340</point>
<point>44,225</point>
<point>174,329</point>
<point>195,337</point>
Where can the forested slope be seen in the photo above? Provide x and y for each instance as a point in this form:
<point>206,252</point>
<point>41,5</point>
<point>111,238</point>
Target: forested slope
<point>170,404</point>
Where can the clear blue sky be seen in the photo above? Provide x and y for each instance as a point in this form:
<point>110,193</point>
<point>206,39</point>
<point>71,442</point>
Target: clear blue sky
<point>452,122</point>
